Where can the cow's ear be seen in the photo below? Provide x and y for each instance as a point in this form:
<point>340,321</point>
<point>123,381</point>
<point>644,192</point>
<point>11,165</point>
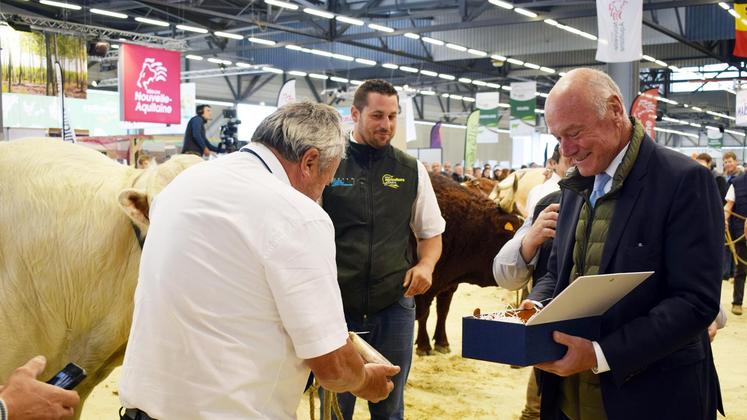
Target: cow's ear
<point>135,205</point>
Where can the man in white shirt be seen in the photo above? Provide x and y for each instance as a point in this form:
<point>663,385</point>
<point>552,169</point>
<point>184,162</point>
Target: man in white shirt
<point>237,297</point>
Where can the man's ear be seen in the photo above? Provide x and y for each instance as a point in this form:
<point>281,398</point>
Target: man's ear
<point>354,113</point>
<point>310,162</point>
<point>615,105</point>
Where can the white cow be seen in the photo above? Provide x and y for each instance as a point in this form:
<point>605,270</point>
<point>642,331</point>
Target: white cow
<point>69,253</point>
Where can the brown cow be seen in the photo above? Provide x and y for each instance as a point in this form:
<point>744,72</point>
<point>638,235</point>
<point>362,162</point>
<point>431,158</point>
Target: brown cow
<point>475,230</point>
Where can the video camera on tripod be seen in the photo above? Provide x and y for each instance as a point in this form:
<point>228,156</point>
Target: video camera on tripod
<point>229,132</point>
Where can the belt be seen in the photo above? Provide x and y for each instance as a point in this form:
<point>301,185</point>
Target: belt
<point>134,414</point>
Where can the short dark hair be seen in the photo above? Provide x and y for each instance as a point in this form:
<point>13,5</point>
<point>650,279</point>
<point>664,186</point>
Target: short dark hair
<point>201,109</point>
<point>360,100</point>
<point>705,157</point>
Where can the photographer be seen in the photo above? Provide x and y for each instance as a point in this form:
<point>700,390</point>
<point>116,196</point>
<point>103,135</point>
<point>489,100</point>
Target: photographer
<point>195,141</point>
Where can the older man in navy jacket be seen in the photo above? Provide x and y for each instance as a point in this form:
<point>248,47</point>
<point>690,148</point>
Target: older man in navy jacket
<point>631,205</point>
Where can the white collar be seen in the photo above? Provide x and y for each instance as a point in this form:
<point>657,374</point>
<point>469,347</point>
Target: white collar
<point>270,159</point>
<point>616,161</point>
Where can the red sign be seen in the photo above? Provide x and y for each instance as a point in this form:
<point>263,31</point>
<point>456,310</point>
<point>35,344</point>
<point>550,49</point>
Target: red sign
<point>644,109</point>
<point>149,85</point>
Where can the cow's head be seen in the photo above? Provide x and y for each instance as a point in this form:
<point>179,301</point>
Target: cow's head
<point>135,201</point>
<point>502,193</point>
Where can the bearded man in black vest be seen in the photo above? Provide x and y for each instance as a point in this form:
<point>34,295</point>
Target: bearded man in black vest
<point>378,197</point>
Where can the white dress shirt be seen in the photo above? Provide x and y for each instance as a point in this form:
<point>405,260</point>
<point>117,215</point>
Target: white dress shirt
<point>237,287</point>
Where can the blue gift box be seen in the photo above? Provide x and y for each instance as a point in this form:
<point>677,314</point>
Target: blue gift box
<point>519,344</point>
<point>576,311</point>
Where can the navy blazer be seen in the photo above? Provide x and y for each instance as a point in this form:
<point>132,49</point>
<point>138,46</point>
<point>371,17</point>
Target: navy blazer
<point>668,219</point>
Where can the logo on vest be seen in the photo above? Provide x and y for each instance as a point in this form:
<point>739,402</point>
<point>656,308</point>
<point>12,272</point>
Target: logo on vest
<point>391,181</point>
<point>341,182</point>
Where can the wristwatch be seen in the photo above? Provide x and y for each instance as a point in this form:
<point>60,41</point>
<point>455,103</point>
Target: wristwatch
<point>3,411</point>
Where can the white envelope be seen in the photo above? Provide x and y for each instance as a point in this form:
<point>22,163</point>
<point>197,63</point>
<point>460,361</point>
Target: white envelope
<point>589,296</point>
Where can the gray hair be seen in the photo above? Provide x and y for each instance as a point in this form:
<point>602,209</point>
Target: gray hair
<point>297,127</point>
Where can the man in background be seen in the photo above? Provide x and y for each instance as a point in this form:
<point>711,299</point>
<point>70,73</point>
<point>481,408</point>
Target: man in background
<point>195,141</point>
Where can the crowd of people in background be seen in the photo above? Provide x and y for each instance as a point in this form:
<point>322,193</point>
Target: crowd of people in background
<point>460,174</point>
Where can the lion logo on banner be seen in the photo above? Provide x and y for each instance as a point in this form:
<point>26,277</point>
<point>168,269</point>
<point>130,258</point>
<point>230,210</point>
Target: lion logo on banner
<point>152,71</point>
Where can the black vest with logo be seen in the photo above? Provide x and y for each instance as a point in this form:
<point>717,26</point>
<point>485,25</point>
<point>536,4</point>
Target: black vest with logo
<point>736,225</point>
<point>370,202</point>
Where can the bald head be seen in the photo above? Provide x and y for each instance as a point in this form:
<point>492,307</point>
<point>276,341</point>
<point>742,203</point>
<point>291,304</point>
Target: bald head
<point>585,111</point>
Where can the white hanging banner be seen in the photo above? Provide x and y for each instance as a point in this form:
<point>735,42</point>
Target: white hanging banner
<point>410,131</point>
<point>287,93</point>
<point>741,113</point>
<point>620,24</point>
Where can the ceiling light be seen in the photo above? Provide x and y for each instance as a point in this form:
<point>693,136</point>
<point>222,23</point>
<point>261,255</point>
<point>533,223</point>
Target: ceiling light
<point>467,99</point>
<point>495,86</point>
<point>297,73</point>
<point>429,73</point>
<point>60,4</point>
<point>412,35</point>
<point>339,79</point>
<point>318,76</point>
<point>661,63</point>
<point>547,70</point>
<point>408,69</point>
<point>696,125</point>
<point>427,92</point>
<point>444,95</point>
<point>108,13</point>
<point>365,61</point>
<point>192,29</point>
<point>351,21</point>
<point>320,13</point>
<point>228,35</point>
<point>697,108</point>
<point>356,82</point>
<point>724,5</point>
<point>294,47</point>
<point>525,12</point>
<point>194,57</point>
<point>390,66</point>
<point>150,21</point>
<point>115,46</point>
<point>272,70</point>
<point>562,73</point>
<point>502,4</point>
<point>648,58</point>
<point>515,61</point>
<point>456,47</point>
<point>380,27</point>
<point>498,57</point>
<point>322,53</point>
<point>215,60</point>
<point>433,41</point>
<point>477,52</point>
<point>737,133</point>
<point>733,13</point>
<point>479,83</point>
<point>672,120</point>
<point>343,57</point>
<point>244,65</point>
<point>457,97</point>
<point>262,41</point>
<point>551,22</point>
<point>282,4</point>
<point>465,80</point>
<point>504,105</point>
<point>674,68</point>
<point>532,66</point>
<point>446,76</point>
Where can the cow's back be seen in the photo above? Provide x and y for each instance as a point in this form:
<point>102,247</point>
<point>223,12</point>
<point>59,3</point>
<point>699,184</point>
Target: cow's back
<point>68,256</point>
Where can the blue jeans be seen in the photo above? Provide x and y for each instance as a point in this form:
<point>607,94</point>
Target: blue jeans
<point>390,331</point>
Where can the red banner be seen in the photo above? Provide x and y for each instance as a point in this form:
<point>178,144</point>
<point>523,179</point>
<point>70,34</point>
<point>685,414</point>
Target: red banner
<point>149,85</point>
<point>644,109</point>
